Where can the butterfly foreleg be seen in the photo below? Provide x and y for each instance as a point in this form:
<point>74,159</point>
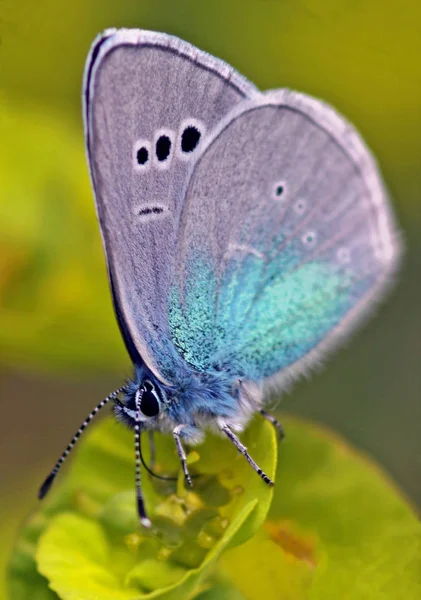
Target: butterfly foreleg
<point>275,423</point>
<point>181,452</point>
<point>241,448</point>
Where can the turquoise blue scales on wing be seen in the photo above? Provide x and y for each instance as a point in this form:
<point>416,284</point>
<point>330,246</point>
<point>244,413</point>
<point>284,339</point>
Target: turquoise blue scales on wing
<point>284,241</point>
<point>256,337</point>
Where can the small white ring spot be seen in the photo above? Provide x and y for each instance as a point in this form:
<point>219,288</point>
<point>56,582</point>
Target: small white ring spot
<point>300,206</point>
<point>279,191</point>
<point>344,255</point>
<point>309,239</point>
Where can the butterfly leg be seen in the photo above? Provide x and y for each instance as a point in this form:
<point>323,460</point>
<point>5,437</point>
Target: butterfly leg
<point>241,448</point>
<point>181,453</point>
<point>274,422</point>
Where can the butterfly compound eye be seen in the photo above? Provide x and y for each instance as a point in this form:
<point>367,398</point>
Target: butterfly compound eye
<point>149,405</point>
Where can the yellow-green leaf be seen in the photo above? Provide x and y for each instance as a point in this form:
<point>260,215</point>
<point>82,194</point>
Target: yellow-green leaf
<point>337,528</point>
<point>86,541</point>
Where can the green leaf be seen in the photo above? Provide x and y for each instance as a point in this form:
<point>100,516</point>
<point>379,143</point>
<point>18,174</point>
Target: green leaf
<point>86,542</point>
<point>152,574</point>
<point>337,528</point>
<point>261,568</point>
<point>76,557</point>
<point>24,579</point>
<point>220,590</point>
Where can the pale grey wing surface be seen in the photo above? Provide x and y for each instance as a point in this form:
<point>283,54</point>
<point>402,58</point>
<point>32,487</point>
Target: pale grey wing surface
<point>286,240</point>
<point>151,102</point>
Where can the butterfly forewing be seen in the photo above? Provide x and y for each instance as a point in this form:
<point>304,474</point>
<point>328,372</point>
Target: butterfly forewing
<point>152,101</point>
<point>285,240</point>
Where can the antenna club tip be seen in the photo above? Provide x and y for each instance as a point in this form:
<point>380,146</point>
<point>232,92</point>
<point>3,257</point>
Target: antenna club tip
<point>146,522</point>
<point>44,489</point>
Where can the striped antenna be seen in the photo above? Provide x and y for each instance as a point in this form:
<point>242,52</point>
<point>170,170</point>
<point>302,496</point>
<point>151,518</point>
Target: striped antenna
<point>139,495</point>
<point>51,477</point>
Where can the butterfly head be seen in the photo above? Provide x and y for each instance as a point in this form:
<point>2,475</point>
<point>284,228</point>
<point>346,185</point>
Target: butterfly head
<point>145,397</point>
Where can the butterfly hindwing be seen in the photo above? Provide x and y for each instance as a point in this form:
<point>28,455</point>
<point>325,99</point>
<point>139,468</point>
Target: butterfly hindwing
<point>285,240</point>
<point>151,102</point>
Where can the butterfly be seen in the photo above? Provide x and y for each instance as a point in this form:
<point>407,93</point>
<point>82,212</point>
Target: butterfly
<point>246,235</point>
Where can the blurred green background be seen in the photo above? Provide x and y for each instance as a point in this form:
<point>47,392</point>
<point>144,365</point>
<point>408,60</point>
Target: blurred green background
<point>60,349</point>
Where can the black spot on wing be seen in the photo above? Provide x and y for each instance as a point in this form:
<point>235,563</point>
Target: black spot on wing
<point>150,210</point>
<point>163,148</point>
<point>142,156</point>
<point>190,138</point>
